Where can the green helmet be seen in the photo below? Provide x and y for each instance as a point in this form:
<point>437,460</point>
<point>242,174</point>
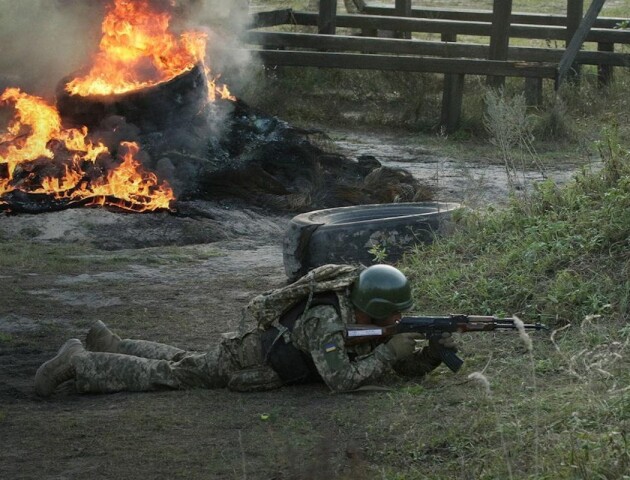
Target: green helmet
<point>380,291</point>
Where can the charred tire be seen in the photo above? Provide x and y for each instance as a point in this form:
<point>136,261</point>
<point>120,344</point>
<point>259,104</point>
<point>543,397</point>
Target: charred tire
<point>151,109</point>
<point>346,234</point>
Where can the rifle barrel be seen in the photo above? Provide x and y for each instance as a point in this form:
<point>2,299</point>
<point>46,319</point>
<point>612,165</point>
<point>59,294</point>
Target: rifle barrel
<point>492,323</point>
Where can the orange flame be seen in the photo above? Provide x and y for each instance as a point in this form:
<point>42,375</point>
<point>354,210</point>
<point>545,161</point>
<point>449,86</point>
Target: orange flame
<point>36,132</point>
<point>138,50</point>
<point>138,189</point>
<point>218,91</point>
<point>35,124</point>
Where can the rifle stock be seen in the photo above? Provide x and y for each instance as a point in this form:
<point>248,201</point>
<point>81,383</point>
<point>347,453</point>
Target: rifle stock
<point>434,326</point>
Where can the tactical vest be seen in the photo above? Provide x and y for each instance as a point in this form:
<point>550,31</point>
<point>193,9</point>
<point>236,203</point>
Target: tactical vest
<point>290,363</point>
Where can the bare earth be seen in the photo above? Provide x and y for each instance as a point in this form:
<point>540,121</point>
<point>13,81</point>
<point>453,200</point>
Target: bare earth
<point>181,281</point>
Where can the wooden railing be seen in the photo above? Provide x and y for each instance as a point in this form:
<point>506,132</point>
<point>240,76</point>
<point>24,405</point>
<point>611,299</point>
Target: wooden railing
<point>365,48</point>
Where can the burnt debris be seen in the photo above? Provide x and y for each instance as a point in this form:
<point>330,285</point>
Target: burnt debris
<point>222,150</point>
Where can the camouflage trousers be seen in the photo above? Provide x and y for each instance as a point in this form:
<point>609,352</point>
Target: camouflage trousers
<point>139,365</point>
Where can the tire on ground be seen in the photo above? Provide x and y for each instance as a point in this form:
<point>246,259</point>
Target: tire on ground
<point>347,234</point>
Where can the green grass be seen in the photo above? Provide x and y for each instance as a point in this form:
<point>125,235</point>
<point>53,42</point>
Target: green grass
<point>561,412</point>
<point>562,125</point>
<point>55,258</point>
<point>560,253</point>
<point>5,337</point>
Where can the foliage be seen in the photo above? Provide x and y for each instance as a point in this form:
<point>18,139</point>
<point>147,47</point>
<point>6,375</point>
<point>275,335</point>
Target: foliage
<point>561,254</point>
<point>378,252</point>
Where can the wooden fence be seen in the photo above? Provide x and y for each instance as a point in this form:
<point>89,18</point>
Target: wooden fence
<point>365,48</point>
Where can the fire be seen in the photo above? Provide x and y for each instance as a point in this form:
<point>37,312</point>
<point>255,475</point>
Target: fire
<point>138,50</point>
<point>218,91</point>
<point>38,155</point>
<point>43,124</point>
<point>36,133</point>
<point>132,185</point>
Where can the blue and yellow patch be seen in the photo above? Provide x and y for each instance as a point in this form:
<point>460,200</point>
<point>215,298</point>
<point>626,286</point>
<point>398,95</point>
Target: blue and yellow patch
<point>330,347</point>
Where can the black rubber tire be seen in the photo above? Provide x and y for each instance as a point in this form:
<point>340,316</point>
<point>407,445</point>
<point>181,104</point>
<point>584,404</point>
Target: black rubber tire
<point>151,109</point>
<point>346,234</point>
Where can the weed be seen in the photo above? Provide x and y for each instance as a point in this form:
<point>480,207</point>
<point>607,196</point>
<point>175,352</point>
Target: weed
<point>554,123</point>
<point>510,128</point>
<point>378,252</point>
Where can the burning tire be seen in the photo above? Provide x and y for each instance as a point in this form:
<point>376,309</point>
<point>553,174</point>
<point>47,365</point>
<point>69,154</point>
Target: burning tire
<point>347,234</point>
<point>151,109</point>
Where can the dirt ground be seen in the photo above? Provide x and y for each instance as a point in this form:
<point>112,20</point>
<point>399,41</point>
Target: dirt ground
<point>183,281</point>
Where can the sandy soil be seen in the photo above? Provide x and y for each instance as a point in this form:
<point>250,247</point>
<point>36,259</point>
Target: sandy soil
<point>182,281</point>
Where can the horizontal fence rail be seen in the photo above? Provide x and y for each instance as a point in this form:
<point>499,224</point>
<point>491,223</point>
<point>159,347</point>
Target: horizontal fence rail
<point>486,16</point>
<point>271,19</point>
<point>424,48</point>
<point>429,25</point>
<point>457,27</point>
<point>358,61</point>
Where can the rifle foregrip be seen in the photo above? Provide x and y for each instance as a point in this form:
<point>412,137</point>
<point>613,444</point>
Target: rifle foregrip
<point>450,359</point>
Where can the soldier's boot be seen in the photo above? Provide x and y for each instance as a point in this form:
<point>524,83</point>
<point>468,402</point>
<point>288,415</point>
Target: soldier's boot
<point>102,339</point>
<point>58,369</point>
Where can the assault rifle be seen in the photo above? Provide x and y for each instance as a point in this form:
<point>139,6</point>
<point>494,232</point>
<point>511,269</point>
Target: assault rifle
<point>434,327</point>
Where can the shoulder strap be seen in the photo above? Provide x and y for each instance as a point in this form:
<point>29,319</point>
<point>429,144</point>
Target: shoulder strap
<point>289,318</point>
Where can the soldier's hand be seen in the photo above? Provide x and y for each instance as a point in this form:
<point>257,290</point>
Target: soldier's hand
<point>436,342</point>
<point>404,344</point>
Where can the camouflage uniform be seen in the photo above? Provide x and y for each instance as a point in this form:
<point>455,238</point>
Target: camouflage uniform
<point>142,366</point>
<point>242,362</point>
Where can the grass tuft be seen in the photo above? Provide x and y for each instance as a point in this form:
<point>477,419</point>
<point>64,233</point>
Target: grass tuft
<point>560,255</point>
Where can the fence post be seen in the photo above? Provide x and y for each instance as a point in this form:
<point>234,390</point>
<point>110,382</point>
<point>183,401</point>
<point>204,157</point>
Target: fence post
<point>605,72</point>
<point>403,9</point>
<point>568,57</point>
<point>499,37</point>
<point>575,11</point>
<point>533,91</point>
<point>327,19</point>
<point>452,95</point>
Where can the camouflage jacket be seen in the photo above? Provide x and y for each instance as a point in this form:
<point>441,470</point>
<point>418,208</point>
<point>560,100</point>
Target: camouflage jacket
<point>319,331</point>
